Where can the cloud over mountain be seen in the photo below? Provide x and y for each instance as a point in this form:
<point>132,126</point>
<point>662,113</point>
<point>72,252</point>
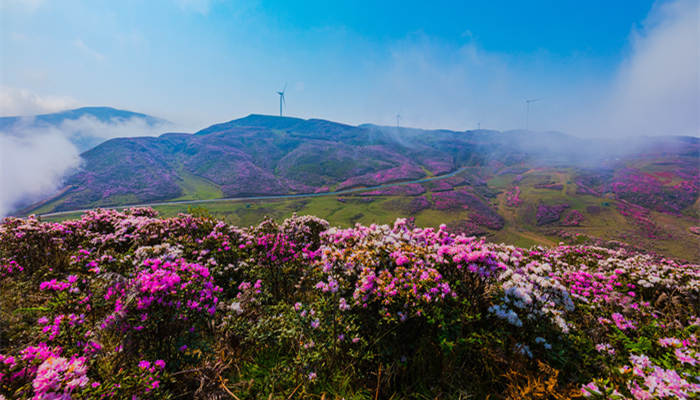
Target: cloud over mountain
<point>37,152</point>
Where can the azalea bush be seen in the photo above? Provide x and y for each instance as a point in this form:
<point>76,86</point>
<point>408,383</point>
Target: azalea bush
<point>513,197</point>
<point>131,305</point>
<point>547,214</point>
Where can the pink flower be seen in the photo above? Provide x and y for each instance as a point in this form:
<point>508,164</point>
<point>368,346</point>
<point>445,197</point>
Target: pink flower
<point>685,357</point>
<point>590,389</point>
<point>58,376</point>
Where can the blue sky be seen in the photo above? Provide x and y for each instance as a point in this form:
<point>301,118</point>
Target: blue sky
<point>438,64</point>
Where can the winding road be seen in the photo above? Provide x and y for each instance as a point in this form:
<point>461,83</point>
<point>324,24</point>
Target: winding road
<point>269,197</point>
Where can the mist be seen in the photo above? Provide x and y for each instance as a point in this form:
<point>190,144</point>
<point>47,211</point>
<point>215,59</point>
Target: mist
<point>33,166</point>
<point>653,91</point>
<point>656,90</point>
<point>15,101</point>
<point>35,160</point>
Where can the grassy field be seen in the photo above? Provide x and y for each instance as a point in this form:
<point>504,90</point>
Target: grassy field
<point>520,223</point>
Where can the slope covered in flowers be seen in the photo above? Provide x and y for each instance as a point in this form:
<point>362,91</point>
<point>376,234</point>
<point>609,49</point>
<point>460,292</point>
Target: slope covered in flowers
<point>123,304</point>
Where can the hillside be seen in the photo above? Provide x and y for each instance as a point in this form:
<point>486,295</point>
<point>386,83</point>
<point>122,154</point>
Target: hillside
<point>520,187</point>
<point>129,305</point>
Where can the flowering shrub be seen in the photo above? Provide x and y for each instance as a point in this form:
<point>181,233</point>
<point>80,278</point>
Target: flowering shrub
<point>126,304</point>
<point>404,171</point>
<point>441,185</point>
<point>513,197</point>
<point>573,218</point>
<point>547,214</point>
<point>662,191</point>
<point>647,380</point>
<point>479,212</point>
<point>640,217</point>
<point>438,166</point>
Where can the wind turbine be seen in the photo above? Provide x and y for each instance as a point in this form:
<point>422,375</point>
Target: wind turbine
<point>527,111</point>
<point>282,101</point>
<point>398,120</point>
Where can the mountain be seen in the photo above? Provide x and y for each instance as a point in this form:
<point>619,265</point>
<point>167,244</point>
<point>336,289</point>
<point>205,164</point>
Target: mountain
<point>263,155</point>
<point>529,187</point>
<point>104,114</point>
<point>84,127</point>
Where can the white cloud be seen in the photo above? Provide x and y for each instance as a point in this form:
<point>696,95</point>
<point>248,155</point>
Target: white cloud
<point>15,101</point>
<point>80,45</point>
<point>34,160</point>
<point>653,91</point>
<point>657,88</point>
<point>89,126</point>
<point>32,166</point>
<point>434,85</point>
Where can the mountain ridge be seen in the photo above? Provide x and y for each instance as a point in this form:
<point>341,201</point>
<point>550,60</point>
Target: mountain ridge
<point>513,185</point>
<point>102,113</point>
<point>292,154</point>
<point>84,127</point>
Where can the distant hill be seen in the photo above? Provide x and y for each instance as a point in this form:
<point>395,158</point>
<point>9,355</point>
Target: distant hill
<point>264,155</point>
<point>515,184</point>
<point>83,136</point>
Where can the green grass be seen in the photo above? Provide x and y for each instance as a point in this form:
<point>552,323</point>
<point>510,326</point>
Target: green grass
<point>46,208</point>
<point>198,188</point>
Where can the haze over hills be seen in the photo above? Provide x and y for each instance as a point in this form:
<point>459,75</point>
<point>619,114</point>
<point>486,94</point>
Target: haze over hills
<point>85,127</point>
<point>521,180</point>
<point>104,114</point>
<point>37,152</point>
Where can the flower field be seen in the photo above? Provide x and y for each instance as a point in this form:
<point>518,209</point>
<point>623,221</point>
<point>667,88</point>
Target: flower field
<point>130,305</point>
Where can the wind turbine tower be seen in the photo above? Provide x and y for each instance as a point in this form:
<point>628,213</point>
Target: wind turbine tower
<point>282,101</point>
<point>398,120</point>
<point>527,112</point>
